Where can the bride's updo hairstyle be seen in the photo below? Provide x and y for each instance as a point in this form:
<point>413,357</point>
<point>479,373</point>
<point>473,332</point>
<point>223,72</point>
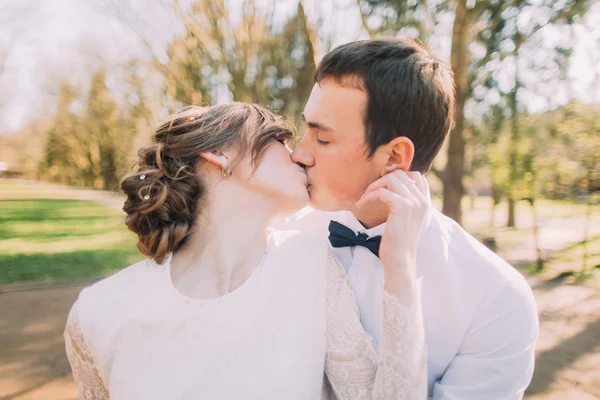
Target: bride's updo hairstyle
<point>165,188</point>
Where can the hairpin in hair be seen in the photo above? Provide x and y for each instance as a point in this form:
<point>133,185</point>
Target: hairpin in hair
<point>193,116</point>
<point>142,177</point>
<point>146,197</point>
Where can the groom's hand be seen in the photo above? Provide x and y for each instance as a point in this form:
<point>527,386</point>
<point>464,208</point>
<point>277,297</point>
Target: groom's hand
<point>404,194</point>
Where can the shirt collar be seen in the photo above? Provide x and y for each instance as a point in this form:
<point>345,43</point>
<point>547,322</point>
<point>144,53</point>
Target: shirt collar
<point>348,219</point>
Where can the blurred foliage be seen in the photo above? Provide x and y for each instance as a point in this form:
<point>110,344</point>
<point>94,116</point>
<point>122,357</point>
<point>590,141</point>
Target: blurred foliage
<point>255,62</point>
<point>91,138</point>
<point>485,33</point>
<point>557,154</point>
<point>221,53</point>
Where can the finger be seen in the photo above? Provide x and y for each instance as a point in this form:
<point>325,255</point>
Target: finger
<point>392,200</point>
<point>424,187</point>
<point>387,181</point>
<point>419,187</point>
<point>402,176</point>
<point>417,177</point>
<point>396,183</point>
<point>406,178</point>
<point>403,193</point>
<point>397,178</point>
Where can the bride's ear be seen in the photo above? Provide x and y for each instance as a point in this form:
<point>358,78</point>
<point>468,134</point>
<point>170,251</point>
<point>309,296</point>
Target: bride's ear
<point>401,152</point>
<point>220,161</point>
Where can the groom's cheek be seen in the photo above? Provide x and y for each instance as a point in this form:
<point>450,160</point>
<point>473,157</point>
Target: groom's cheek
<point>343,189</point>
<point>349,182</point>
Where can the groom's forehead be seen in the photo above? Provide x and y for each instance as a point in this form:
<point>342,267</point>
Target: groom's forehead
<point>332,100</point>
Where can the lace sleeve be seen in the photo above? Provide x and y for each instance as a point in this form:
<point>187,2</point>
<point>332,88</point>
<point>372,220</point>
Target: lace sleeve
<point>353,368</point>
<point>402,372</point>
<point>85,373</point>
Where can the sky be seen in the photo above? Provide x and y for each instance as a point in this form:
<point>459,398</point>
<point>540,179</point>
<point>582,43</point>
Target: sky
<point>54,39</point>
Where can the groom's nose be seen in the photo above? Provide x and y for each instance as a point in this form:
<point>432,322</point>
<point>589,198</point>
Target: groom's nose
<point>302,155</point>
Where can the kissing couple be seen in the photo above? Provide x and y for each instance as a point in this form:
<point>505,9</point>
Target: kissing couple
<point>313,273</point>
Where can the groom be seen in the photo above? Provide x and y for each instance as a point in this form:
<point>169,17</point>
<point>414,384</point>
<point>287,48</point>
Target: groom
<point>379,105</point>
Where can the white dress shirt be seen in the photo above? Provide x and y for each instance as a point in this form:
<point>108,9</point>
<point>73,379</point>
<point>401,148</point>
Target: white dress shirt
<point>480,316</point>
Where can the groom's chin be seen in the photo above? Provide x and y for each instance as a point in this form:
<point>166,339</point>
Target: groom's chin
<point>319,204</point>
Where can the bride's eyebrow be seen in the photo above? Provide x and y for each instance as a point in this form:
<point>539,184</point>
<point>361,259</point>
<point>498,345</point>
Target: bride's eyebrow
<point>316,125</point>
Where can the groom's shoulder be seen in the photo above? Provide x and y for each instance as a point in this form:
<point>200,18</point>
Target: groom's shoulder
<point>487,282</point>
<point>489,296</point>
<point>299,249</point>
<point>467,254</point>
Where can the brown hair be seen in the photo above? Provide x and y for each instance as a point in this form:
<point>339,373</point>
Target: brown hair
<point>164,189</point>
<point>410,92</point>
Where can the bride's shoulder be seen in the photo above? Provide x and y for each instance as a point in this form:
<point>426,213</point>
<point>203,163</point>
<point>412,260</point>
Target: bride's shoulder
<point>299,244</point>
<point>291,238</point>
<point>114,293</point>
<point>135,273</point>
<point>306,220</point>
<point>299,258</point>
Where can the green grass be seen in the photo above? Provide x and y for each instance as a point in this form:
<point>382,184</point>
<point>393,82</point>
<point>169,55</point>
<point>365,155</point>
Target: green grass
<point>570,259</point>
<point>53,240</point>
<point>44,240</point>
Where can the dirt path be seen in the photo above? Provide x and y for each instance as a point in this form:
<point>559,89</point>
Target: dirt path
<point>568,349</point>
<point>33,365</point>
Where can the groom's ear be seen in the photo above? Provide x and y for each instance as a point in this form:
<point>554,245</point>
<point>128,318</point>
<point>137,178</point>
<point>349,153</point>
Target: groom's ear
<point>401,152</point>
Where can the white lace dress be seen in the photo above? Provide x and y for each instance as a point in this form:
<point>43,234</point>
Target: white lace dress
<point>133,336</point>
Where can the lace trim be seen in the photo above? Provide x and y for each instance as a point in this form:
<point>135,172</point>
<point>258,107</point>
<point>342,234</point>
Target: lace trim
<point>351,362</point>
<point>87,378</point>
<point>353,368</point>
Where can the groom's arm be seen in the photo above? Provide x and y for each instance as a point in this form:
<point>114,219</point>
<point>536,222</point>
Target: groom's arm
<point>496,358</point>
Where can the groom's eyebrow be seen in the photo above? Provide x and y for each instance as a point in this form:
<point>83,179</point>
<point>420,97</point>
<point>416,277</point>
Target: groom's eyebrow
<point>316,125</point>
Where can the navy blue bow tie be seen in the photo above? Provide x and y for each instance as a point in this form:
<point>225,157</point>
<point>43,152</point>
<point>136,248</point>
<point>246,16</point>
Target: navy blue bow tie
<point>342,236</point>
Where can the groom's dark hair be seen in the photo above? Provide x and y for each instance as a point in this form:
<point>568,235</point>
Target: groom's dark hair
<point>410,92</point>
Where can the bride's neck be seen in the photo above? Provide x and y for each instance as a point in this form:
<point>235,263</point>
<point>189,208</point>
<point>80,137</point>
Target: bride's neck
<point>228,241</point>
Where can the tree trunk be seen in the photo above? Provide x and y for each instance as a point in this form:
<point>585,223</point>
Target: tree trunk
<point>536,236</point>
<point>588,217</point>
<point>514,174</point>
<point>459,58</point>
<point>493,207</point>
<point>510,222</point>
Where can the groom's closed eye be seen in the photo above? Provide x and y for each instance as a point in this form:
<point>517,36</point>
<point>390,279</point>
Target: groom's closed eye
<point>320,137</point>
<point>316,128</point>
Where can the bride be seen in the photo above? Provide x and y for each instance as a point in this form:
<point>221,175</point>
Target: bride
<point>224,307</point>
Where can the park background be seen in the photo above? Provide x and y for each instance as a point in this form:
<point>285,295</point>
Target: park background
<point>83,82</point>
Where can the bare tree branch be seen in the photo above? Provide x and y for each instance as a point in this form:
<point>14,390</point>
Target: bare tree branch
<point>372,33</point>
